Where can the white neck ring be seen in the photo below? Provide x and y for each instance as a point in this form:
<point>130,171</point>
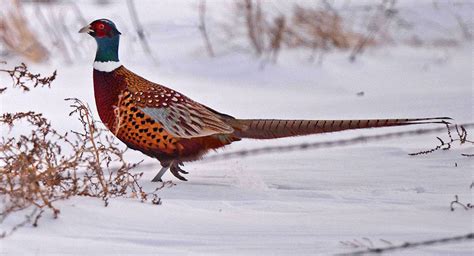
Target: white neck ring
<point>107,66</point>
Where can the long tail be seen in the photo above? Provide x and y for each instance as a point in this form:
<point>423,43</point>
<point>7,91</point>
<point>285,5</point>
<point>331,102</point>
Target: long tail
<point>274,128</point>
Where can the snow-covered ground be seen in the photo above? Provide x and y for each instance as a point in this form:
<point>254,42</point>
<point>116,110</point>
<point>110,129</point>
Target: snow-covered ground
<point>300,203</point>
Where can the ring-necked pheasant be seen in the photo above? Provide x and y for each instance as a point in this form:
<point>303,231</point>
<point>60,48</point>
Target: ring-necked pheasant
<point>165,124</point>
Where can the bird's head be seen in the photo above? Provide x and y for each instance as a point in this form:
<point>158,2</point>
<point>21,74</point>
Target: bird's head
<point>102,28</point>
<point>107,37</point>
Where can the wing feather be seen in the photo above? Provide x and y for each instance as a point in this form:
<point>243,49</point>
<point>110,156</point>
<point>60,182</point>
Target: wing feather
<point>179,115</point>
<point>188,121</point>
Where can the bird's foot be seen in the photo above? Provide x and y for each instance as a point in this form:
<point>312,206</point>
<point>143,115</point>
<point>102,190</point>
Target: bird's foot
<point>176,170</point>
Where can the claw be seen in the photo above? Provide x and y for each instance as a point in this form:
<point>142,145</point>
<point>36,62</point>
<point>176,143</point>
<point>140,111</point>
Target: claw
<point>177,175</point>
<point>176,170</point>
<point>181,170</point>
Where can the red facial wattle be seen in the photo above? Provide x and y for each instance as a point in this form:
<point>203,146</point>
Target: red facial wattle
<point>101,29</point>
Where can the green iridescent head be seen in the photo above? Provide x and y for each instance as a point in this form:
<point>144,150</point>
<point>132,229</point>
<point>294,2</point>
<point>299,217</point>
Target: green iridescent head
<point>107,37</point>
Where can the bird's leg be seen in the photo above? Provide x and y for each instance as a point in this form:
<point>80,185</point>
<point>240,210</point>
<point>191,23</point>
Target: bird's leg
<point>160,174</point>
<point>176,170</point>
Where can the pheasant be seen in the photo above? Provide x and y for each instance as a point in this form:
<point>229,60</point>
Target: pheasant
<point>165,124</point>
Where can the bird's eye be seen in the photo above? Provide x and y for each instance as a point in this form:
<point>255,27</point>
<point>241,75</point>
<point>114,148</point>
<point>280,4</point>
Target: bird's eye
<point>101,26</point>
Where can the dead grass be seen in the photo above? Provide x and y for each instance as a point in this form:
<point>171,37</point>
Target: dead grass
<point>267,34</point>
<point>320,28</point>
<point>266,28</point>
<point>16,35</point>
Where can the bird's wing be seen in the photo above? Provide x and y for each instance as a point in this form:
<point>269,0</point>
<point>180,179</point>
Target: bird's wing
<point>179,115</point>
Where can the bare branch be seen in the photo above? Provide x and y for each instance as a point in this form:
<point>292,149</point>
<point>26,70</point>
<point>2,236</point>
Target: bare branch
<point>411,245</point>
<point>140,31</point>
<point>203,29</point>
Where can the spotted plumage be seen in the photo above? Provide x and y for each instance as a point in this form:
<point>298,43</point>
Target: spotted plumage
<point>155,119</point>
<point>164,124</point>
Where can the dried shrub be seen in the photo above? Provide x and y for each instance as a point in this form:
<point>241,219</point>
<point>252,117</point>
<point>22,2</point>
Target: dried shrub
<point>16,35</point>
<point>38,30</point>
<point>460,136</point>
<point>320,28</point>
<point>42,166</point>
<point>303,27</point>
<point>277,32</point>
<point>379,22</point>
<point>23,78</point>
<point>254,21</point>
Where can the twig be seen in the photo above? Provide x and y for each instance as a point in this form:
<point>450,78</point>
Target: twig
<point>21,77</point>
<point>253,19</point>
<point>140,32</point>
<point>411,245</point>
<point>461,137</point>
<point>464,28</point>
<point>118,116</point>
<point>387,14</point>
<point>91,130</point>
<point>466,207</point>
<point>203,29</point>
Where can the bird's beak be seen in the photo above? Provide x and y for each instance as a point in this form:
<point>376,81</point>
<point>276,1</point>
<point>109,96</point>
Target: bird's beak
<point>86,29</point>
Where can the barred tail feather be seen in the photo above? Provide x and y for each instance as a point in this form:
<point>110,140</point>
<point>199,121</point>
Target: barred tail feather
<point>274,128</point>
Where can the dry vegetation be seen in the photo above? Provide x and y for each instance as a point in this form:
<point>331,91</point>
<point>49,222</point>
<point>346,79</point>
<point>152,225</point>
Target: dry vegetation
<point>460,136</point>
<point>465,206</point>
<point>315,27</point>
<point>22,78</point>
<point>16,35</point>
<point>42,29</point>
<point>43,165</point>
<point>264,29</point>
<point>255,26</point>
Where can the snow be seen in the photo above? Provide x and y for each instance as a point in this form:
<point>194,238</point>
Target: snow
<point>301,203</point>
